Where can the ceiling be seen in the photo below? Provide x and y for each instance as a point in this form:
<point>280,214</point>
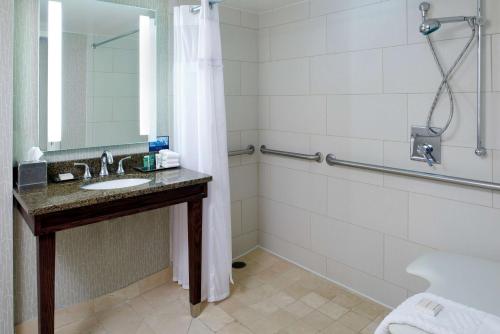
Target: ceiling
<point>258,5</point>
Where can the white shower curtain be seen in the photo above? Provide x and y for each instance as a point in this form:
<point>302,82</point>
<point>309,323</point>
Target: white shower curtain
<point>200,138</point>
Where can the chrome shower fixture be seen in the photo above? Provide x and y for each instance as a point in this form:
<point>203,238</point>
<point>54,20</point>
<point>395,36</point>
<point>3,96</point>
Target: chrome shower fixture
<point>428,26</point>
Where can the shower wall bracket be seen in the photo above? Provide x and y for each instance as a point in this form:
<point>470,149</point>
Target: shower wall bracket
<point>425,145</point>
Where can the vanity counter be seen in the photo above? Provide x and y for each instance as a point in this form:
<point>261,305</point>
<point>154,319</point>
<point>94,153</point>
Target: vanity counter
<point>62,206</point>
<point>69,195</point>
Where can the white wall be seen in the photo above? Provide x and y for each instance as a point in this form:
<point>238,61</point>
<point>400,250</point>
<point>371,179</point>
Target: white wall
<point>351,78</point>
<point>239,32</point>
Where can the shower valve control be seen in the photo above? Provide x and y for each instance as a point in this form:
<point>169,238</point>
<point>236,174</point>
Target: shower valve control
<point>426,151</point>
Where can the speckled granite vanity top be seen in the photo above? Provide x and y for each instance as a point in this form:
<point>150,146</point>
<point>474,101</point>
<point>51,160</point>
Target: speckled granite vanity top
<point>62,196</point>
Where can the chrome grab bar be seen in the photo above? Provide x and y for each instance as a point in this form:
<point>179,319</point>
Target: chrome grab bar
<point>249,150</point>
<point>333,161</point>
<point>318,157</point>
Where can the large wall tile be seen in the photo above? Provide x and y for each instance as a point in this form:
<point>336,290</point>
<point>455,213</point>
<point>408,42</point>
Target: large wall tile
<point>297,188</point>
<point>242,112</point>
<point>287,14</point>
<point>301,39</point>
<point>244,182</point>
<point>370,206</point>
<point>232,77</point>
<point>249,214</point>
<point>384,23</point>
<point>349,244</point>
<point>368,116</point>
<point>374,287</point>
<point>299,255</point>
<point>496,62</point>
<point>249,78</point>
<point>239,43</point>
<point>289,77</point>
<point>321,7</point>
<point>347,73</point>
<point>304,114</point>
<point>455,226</point>
<point>286,222</point>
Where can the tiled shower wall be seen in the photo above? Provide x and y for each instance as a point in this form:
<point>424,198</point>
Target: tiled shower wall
<point>239,33</point>
<point>6,233</point>
<point>351,78</point>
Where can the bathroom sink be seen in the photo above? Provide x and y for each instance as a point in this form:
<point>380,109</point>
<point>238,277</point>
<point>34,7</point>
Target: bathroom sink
<point>115,184</point>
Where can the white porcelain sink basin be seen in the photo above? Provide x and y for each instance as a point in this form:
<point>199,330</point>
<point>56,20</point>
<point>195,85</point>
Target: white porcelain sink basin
<point>115,184</point>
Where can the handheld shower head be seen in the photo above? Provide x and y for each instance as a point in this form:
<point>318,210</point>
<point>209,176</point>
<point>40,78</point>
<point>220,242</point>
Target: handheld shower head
<point>424,8</point>
<point>428,26</point>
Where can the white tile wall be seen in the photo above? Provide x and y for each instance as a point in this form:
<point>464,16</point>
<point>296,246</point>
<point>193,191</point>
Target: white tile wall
<point>351,77</point>
<point>240,36</point>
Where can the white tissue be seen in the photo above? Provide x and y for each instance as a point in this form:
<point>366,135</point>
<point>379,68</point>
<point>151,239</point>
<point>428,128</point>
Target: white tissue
<point>34,154</point>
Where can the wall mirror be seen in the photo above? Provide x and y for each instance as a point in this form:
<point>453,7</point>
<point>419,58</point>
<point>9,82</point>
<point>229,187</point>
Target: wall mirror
<point>98,74</point>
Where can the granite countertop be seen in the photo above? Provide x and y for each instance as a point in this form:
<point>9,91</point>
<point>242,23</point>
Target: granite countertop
<point>63,196</point>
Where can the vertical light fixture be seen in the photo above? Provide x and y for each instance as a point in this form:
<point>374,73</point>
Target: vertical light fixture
<point>147,76</point>
<point>54,88</point>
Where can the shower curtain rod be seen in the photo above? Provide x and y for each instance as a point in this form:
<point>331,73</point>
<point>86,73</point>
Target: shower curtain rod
<point>196,9</point>
<point>96,45</point>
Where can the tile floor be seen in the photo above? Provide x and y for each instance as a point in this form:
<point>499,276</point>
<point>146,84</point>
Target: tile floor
<point>270,295</point>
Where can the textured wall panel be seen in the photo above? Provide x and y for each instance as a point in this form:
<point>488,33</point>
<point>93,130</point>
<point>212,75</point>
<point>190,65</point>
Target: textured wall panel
<point>6,241</point>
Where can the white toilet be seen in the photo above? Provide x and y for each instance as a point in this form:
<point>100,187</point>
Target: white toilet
<point>467,280</point>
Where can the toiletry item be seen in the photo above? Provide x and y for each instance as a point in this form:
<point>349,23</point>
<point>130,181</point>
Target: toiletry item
<point>31,174</point>
<point>66,177</point>
<point>158,160</point>
<point>152,161</point>
<point>161,143</point>
<point>34,154</point>
<point>146,162</point>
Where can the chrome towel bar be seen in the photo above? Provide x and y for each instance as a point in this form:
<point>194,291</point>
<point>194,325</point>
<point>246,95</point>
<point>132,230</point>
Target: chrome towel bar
<point>318,157</point>
<point>249,150</point>
<point>333,161</point>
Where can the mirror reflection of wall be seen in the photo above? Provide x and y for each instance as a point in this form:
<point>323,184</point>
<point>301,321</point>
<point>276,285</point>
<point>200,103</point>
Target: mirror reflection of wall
<point>104,57</point>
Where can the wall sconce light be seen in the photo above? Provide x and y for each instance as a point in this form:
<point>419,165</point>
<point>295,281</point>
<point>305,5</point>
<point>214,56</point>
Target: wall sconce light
<point>147,76</point>
<point>54,85</point>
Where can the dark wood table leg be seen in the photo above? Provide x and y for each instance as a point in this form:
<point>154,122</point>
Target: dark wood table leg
<point>195,214</point>
<point>46,263</point>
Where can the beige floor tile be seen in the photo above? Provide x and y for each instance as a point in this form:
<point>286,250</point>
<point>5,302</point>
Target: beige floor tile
<point>299,309</point>
<point>348,300</point>
<point>314,300</point>
<point>369,309</point>
<point>265,307</point>
<point>317,320</point>
<point>198,327</point>
<point>337,328</point>
<point>230,305</point>
<point>282,299</point>
<point>169,323</point>
<point>297,291</point>
<point>354,321</point>
<point>333,310</point>
<point>234,328</point>
<point>269,296</point>
<point>215,318</point>
<point>297,327</point>
<point>73,313</point>
<point>86,326</point>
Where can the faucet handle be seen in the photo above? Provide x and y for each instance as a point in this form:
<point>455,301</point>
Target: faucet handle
<point>426,151</point>
<point>120,170</point>
<point>87,174</point>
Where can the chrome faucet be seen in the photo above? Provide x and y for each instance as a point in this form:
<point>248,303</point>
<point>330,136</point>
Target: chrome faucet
<point>106,159</point>
<point>426,151</point>
<point>120,170</point>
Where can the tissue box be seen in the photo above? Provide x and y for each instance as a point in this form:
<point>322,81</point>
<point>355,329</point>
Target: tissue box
<point>31,174</point>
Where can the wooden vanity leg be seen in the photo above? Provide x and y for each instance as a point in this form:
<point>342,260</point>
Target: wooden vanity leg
<point>46,261</point>
<point>195,214</point>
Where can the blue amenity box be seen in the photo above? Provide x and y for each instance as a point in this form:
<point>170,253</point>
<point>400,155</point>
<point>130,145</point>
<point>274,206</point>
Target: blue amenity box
<point>161,143</point>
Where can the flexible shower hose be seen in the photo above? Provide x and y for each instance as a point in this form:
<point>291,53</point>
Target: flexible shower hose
<point>446,76</point>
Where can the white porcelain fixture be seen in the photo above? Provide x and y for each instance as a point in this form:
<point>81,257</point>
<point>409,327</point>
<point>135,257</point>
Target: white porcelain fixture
<point>116,184</point>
